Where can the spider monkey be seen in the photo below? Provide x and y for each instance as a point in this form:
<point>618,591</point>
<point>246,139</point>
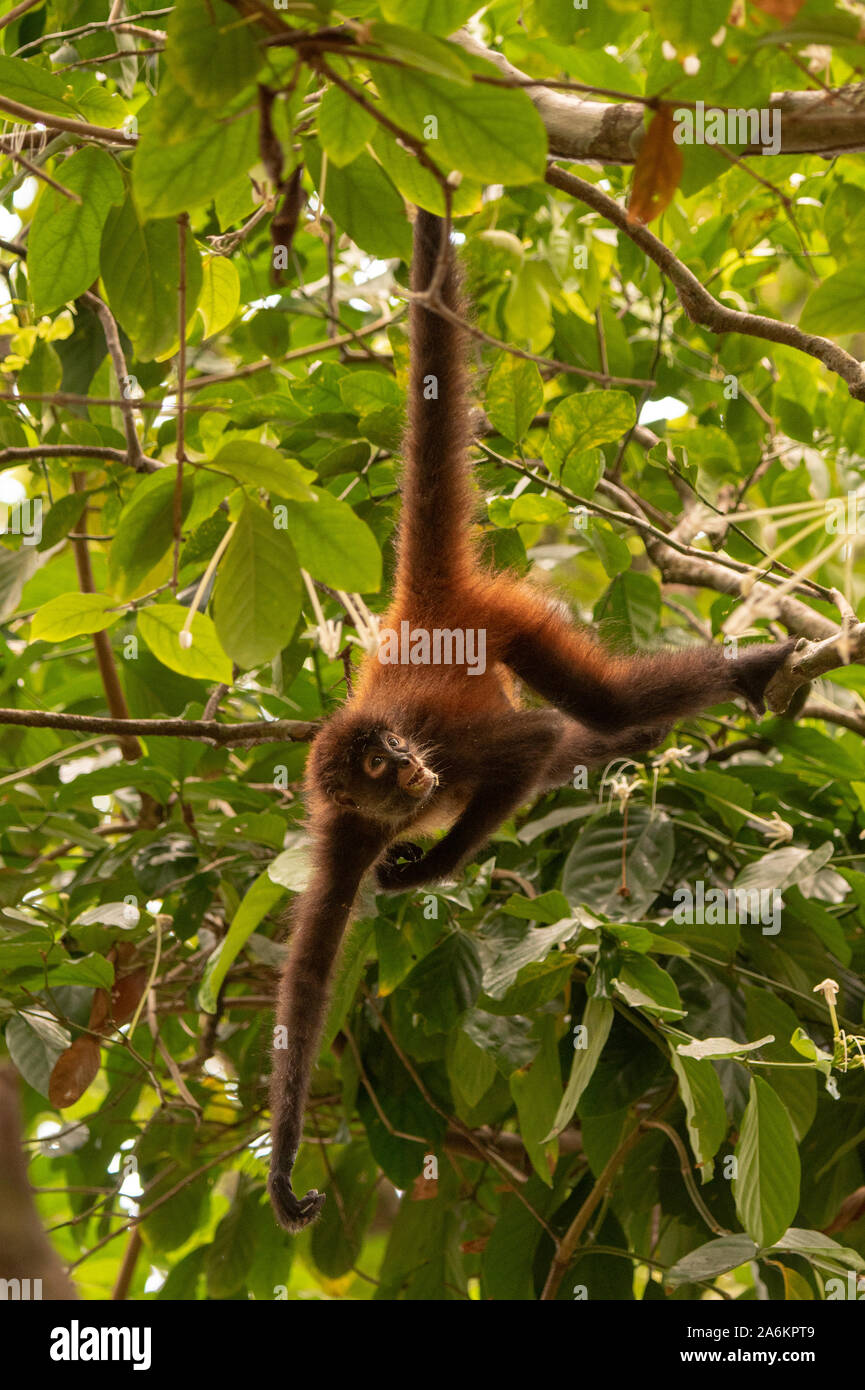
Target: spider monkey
<point>421,747</point>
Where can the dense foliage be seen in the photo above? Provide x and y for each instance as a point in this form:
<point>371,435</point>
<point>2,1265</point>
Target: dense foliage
<point>705,1127</point>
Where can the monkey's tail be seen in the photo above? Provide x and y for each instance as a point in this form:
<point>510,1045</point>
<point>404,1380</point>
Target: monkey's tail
<point>437,492</point>
<point>320,919</point>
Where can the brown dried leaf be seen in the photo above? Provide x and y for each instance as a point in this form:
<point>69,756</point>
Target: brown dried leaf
<point>657,171</point>
<point>125,995</point>
<point>783,10</point>
<point>74,1070</point>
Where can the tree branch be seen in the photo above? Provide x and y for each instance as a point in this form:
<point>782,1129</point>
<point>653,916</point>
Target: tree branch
<point>597,132</point>
<point>699,305</point>
<point>208,730</point>
<point>135,456</point>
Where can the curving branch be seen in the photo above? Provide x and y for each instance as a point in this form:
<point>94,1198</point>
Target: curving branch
<point>700,306</point>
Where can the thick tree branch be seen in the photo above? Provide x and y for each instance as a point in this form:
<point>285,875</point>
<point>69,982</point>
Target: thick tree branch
<point>597,132</point>
<point>699,305</point>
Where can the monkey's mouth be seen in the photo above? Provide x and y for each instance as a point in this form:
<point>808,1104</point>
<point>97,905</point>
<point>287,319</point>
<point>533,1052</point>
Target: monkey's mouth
<point>419,782</point>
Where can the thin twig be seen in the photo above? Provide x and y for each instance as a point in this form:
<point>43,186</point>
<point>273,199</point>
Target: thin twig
<point>180,455</point>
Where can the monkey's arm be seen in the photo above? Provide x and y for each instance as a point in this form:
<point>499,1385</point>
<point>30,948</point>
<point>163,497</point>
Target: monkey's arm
<point>346,849</point>
<point>610,693</point>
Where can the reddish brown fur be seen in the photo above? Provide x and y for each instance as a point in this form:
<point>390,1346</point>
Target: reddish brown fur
<point>487,754</point>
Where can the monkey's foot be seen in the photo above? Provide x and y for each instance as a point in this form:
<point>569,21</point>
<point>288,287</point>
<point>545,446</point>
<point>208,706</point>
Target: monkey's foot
<point>291,1212</point>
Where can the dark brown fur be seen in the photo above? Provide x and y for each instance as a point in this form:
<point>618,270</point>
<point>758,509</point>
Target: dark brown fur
<point>474,754</point>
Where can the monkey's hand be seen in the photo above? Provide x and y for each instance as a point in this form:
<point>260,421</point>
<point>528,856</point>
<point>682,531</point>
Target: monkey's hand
<point>396,865</point>
<point>754,667</point>
<point>291,1212</point>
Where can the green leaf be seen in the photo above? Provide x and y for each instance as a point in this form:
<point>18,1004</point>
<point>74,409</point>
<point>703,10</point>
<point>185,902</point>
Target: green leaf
<point>160,626</point>
<point>140,264</point>
<point>471,1069</point>
<point>255,904</point>
<point>332,543</point>
<point>232,1253</point>
<point>257,598</point>
<point>220,294</point>
<point>262,466</point>
<point>337,1238</point>
<point>464,125</point>
<point>65,236</point>
<point>537,1093</point>
<point>419,185</point>
<point>177,175</point>
<point>514,395</point>
<point>592,875</point>
<point>344,127</point>
<point>766,1188</point>
<point>583,421</point>
<point>594,1030</point>
<point>688,24</point>
<point>709,1260</point>
<point>364,392</point>
<point>446,982</point>
<point>644,984</point>
<point>22,80</point>
<point>362,200</point>
<point>430,16</point>
<point>702,1049</point>
<point>503,963</point>
<point>703,1099</point>
<point>72,615</point>
<point>145,530</point>
<point>835,307</point>
<point>35,1041</point>
<point>86,970</point>
<point>424,51</point>
<point>211,51</point>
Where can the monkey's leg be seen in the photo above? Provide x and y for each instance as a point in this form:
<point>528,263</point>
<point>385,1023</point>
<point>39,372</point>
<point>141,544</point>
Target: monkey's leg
<point>610,693</point>
<point>514,757</point>
<point>582,747</point>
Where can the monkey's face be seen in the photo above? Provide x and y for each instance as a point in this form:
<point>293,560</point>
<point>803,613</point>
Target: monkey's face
<point>385,777</point>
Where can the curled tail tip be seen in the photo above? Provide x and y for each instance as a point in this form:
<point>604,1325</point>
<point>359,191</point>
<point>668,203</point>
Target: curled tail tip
<point>293,1213</point>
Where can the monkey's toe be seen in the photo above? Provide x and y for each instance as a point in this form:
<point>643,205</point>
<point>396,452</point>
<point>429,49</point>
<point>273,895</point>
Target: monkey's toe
<point>293,1213</point>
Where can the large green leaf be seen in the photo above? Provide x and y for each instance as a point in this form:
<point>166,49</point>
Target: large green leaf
<point>72,615</point>
<point>209,53</point>
<point>766,1188</point>
<point>202,659</point>
<point>464,125</point>
<point>65,236</point>
<point>332,542</point>
<point>256,601</point>
<point>140,263</point>
<point>146,528</point>
<point>515,393</point>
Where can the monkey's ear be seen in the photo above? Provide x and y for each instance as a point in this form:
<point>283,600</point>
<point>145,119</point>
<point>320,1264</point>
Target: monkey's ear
<point>343,799</point>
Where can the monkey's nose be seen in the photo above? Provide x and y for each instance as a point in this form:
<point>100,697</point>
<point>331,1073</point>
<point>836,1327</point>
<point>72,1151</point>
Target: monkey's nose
<point>403,760</point>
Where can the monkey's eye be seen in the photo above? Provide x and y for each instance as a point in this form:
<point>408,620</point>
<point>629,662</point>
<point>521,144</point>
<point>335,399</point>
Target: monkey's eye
<point>374,765</point>
<point>392,741</point>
